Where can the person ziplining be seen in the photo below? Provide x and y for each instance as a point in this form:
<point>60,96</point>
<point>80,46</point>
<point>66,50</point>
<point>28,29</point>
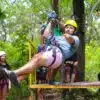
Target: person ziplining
<point>57,31</point>
<point>58,49</point>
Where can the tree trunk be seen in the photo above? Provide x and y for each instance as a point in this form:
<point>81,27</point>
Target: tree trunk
<point>78,11</point>
<point>55,6</point>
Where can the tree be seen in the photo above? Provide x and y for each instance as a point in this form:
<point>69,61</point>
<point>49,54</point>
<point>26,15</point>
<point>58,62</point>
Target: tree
<point>78,11</point>
<point>2,17</point>
<point>55,6</point>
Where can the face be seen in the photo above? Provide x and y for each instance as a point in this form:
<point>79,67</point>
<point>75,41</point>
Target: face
<point>54,22</point>
<point>69,29</point>
<point>3,58</point>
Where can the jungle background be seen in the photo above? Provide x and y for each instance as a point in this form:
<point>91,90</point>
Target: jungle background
<point>20,22</point>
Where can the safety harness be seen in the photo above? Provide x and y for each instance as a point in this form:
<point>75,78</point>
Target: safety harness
<point>51,40</point>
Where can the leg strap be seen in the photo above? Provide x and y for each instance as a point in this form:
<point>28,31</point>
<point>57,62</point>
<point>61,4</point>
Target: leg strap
<point>54,56</point>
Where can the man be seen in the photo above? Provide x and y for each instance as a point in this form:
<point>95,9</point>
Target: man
<point>58,30</point>
<point>58,49</point>
<point>4,81</point>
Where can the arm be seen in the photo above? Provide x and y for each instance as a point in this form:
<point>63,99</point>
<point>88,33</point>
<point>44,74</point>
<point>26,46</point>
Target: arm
<point>42,41</point>
<point>69,38</point>
<point>47,30</point>
<point>61,25</point>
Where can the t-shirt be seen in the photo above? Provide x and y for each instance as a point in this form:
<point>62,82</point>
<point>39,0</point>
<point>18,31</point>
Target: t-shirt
<point>3,76</point>
<point>57,31</point>
<point>4,66</point>
<point>67,49</point>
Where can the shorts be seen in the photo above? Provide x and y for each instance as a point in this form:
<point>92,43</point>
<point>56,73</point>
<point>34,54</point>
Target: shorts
<point>49,58</point>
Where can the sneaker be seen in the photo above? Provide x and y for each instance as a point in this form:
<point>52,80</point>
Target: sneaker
<point>51,82</point>
<point>13,79</point>
<point>12,76</point>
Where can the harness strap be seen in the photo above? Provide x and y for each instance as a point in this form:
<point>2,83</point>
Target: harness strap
<point>54,43</point>
<point>54,56</point>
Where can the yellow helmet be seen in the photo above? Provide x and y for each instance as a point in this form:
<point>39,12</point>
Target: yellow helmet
<point>71,22</point>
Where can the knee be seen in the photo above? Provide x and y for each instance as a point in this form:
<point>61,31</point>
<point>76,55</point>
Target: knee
<point>41,61</point>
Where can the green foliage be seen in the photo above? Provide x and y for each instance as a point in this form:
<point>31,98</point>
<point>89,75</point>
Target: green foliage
<point>19,93</point>
<point>2,14</point>
<point>65,9</point>
<point>12,54</point>
<point>92,20</point>
<point>92,67</point>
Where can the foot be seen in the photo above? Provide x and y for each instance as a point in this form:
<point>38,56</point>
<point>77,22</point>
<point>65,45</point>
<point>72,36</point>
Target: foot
<point>51,82</point>
<point>13,79</point>
<point>72,78</point>
<point>12,76</point>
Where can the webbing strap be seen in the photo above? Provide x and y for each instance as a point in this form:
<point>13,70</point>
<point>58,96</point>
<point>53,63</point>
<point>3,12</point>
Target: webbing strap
<point>54,56</point>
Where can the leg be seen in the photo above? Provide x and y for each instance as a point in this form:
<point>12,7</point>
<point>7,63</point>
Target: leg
<point>73,74</point>
<point>51,75</point>
<point>37,60</point>
<point>54,72</point>
<point>1,97</point>
<point>40,59</point>
<point>75,64</point>
<point>19,74</point>
<point>22,77</point>
<point>68,73</point>
<point>40,93</point>
<point>3,90</point>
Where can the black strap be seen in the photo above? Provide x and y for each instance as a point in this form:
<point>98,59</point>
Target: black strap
<point>54,56</point>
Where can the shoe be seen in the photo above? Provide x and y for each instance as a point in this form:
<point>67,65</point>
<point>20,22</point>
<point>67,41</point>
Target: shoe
<point>51,82</point>
<point>13,79</point>
<point>11,76</point>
